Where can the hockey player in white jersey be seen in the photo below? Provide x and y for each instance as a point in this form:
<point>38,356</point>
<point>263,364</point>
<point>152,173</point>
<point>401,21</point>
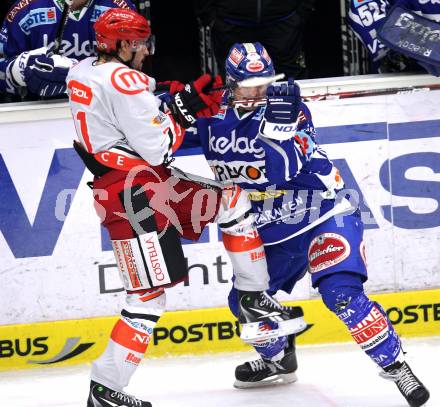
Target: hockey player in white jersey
<point>263,138</point>
<point>126,138</point>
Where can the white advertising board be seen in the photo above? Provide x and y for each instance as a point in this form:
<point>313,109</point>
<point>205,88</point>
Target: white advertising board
<point>56,262</point>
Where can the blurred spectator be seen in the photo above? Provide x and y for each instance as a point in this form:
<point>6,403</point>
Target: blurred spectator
<point>28,69</point>
<point>366,18</point>
<point>278,25</point>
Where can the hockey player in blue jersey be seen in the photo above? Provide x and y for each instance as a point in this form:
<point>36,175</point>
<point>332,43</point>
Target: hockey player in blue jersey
<point>28,69</point>
<point>264,140</point>
<point>366,17</point>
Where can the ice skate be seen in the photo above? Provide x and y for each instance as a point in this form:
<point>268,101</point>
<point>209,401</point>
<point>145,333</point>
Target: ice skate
<point>415,393</point>
<point>258,308</point>
<point>261,372</point>
<point>101,396</point>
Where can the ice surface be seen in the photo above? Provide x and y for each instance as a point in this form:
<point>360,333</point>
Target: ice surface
<point>328,376</point>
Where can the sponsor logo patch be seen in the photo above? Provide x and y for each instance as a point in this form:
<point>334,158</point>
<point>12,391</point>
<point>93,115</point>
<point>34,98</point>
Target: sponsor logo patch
<point>235,57</point>
<point>266,56</point>
<point>131,358</point>
<point>97,11</point>
<point>159,119</point>
<point>234,144</point>
<point>16,9</point>
<point>129,81</point>
<point>257,196</point>
<point>130,263</point>
<point>141,338</point>
<point>154,259</point>
<point>240,171</point>
<point>121,4</point>
<point>80,93</point>
<point>255,66</point>
<point>39,16</point>
<point>326,250</point>
<point>371,331</point>
<point>257,255</point>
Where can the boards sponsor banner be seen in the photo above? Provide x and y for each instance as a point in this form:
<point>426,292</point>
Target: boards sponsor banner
<point>57,262</point>
<point>201,331</point>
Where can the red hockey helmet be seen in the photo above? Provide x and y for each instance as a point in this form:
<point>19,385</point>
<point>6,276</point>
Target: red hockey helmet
<point>118,24</point>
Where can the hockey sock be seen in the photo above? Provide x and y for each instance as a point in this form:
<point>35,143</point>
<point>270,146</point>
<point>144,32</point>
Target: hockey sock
<point>129,339</point>
<point>248,261</point>
<point>272,349</point>
<point>366,320</point>
<point>242,241</point>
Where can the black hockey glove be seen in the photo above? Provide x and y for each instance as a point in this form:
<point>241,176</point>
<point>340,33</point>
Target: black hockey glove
<point>196,101</point>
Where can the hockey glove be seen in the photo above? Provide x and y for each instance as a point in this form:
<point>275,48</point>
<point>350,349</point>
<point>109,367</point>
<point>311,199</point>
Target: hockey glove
<point>283,102</point>
<point>16,68</point>
<point>282,109</point>
<point>171,87</point>
<point>196,101</point>
<point>46,76</point>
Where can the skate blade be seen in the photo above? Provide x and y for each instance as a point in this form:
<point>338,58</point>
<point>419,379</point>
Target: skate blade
<point>270,381</point>
<point>252,331</point>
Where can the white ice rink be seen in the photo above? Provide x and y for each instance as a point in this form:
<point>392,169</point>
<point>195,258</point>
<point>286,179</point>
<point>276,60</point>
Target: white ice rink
<point>328,376</point>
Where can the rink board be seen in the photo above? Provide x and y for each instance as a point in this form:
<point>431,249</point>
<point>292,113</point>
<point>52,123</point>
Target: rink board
<point>54,253</point>
<point>415,313</point>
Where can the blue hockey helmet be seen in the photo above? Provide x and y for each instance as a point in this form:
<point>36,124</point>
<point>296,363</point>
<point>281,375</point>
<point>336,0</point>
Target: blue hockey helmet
<point>247,60</point>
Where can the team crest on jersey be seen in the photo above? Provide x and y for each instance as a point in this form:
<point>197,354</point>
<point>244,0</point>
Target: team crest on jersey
<point>129,81</point>
<point>36,17</point>
<point>159,119</point>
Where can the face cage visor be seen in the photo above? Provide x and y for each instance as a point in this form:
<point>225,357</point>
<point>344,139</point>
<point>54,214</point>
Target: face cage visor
<point>248,98</point>
<point>149,44</point>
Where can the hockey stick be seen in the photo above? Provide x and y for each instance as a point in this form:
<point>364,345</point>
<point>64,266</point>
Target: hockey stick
<point>259,81</point>
<point>62,26</point>
<point>252,82</point>
<point>378,92</point>
<point>347,95</point>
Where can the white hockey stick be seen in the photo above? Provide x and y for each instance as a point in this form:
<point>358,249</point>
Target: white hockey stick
<point>259,81</point>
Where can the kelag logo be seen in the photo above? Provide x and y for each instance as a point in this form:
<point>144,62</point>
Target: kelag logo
<point>39,346</point>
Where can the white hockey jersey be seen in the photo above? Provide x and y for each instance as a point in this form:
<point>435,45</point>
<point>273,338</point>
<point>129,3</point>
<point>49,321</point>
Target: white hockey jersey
<point>116,115</point>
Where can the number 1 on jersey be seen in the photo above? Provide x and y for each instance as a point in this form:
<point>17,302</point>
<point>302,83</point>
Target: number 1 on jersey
<point>81,117</point>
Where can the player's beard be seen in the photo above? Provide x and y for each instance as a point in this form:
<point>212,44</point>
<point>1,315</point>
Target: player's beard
<point>137,62</point>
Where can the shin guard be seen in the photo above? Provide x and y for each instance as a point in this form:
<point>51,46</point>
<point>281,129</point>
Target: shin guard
<point>366,320</point>
<point>242,241</point>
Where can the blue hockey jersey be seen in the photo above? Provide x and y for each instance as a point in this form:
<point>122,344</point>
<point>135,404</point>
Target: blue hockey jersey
<point>31,24</point>
<point>366,16</point>
<point>293,185</point>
